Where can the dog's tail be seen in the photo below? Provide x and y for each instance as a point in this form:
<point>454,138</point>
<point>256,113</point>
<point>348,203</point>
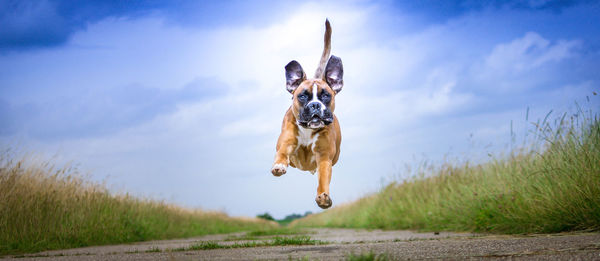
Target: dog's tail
<point>326,51</point>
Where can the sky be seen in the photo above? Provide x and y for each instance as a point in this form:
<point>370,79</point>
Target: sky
<point>183,101</point>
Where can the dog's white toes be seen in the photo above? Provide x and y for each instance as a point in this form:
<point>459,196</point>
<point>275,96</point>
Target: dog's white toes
<point>278,169</point>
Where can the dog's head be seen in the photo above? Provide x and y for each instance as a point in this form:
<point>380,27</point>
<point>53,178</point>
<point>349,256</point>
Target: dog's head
<point>314,99</point>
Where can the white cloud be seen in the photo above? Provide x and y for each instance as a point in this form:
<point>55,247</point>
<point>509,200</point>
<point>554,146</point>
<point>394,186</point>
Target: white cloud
<point>529,52</point>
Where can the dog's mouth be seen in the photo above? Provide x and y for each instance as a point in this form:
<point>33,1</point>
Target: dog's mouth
<point>315,122</point>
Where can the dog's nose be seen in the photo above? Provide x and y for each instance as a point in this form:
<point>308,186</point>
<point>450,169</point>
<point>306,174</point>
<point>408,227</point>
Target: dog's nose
<point>314,107</point>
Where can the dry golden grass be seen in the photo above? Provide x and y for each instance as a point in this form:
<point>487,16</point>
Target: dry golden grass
<point>43,207</point>
<point>553,187</point>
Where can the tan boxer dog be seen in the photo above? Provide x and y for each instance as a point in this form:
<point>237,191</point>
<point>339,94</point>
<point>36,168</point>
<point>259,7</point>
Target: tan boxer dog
<point>310,134</point>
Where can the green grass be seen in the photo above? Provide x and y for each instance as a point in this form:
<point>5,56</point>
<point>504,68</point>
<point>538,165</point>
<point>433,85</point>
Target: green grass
<point>203,246</point>
<point>297,240</point>
<point>283,223</point>
<point>43,208</point>
<point>256,234</point>
<point>276,231</point>
<point>276,241</point>
<point>552,186</point>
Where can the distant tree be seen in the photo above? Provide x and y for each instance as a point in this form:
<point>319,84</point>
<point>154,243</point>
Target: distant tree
<point>307,213</point>
<point>292,216</point>
<point>266,216</point>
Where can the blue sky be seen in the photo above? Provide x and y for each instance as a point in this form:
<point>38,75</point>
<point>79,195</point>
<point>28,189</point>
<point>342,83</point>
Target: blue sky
<point>183,100</point>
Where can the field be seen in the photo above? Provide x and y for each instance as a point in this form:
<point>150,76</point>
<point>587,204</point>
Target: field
<point>43,208</point>
<point>551,184</point>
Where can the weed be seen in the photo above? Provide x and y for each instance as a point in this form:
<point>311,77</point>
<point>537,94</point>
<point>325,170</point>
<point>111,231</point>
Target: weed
<point>276,241</point>
<point>277,231</point>
<point>205,245</point>
<point>257,234</point>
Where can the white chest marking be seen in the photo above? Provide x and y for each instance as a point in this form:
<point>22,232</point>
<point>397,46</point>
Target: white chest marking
<point>305,137</point>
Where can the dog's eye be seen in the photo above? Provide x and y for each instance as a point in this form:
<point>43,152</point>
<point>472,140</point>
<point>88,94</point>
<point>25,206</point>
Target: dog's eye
<point>302,97</point>
<point>325,97</point>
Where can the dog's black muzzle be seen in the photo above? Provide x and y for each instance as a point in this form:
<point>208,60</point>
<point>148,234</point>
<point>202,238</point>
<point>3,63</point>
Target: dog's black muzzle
<point>312,113</point>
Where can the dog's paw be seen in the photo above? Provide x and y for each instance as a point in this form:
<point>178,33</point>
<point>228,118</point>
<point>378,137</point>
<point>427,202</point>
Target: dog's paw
<point>278,169</point>
<point>324,201</point>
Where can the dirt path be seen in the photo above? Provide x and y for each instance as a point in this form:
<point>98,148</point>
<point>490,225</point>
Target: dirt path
<point>397,245</point>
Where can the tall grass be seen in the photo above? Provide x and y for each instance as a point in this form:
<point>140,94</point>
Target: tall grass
<point>553,186</point>
<point>44,208</point>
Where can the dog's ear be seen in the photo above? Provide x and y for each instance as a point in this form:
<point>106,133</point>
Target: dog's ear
<point>294,76</point>
<point>334,73</point>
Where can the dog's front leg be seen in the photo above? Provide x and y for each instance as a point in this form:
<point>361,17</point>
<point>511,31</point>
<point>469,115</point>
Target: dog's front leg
<point>323,199</point>
<point>285,145</point>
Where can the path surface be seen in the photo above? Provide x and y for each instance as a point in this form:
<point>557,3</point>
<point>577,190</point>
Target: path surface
<point>397,245</point>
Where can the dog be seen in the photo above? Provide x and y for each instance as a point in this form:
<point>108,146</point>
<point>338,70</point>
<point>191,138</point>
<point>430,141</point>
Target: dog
<point>310,133</point>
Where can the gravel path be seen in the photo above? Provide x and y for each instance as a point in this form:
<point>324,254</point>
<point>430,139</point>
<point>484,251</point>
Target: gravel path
<point>397,245</point>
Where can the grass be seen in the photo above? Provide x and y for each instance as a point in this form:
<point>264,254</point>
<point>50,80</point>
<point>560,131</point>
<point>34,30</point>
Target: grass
<point>283,222</point>
<point>276,241</point>
<point>276,231</point>
<point>44,208</point>
<point>256,234</point>
<point>552,185</point>
<point>207,245</point>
